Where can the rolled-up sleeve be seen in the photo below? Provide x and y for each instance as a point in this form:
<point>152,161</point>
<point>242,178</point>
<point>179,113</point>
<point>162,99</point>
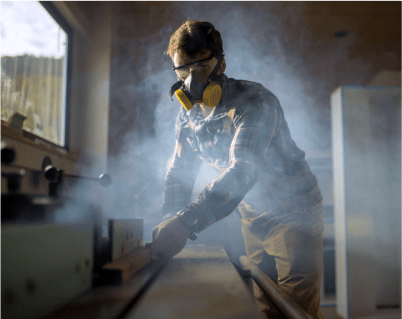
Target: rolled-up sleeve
<point>181,173</point>
<point>255,126</point>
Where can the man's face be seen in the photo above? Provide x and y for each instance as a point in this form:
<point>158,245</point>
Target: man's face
<point>202,68</point>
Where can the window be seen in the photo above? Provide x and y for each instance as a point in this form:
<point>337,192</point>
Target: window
<point>35,52</point>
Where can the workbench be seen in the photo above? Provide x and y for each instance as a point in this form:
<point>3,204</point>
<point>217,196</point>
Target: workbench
<point>199,282</point>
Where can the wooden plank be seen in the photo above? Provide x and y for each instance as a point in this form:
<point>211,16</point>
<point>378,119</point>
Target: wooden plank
<point>200,282</point>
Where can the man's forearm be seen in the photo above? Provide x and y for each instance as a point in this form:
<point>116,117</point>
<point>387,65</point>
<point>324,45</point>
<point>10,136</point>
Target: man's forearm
<point>220,197</point>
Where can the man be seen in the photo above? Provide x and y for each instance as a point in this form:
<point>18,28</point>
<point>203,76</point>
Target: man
<point>240,129</point>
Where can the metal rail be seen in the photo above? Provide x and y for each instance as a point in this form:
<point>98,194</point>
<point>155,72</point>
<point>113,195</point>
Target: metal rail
<point>286,305</point>
<point>148,276</point>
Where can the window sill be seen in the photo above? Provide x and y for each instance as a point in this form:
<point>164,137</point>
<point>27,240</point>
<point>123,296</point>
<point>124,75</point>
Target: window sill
<point>35,141</point>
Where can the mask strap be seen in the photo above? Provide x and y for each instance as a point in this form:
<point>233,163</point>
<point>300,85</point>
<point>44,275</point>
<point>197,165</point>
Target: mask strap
<point>214,74</point>
<point>174,88</point>
<point>186,65</point>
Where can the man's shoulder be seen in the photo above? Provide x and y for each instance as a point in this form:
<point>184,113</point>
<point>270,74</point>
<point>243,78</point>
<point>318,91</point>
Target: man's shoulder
<point>246,84</point>
<point>244,89</point>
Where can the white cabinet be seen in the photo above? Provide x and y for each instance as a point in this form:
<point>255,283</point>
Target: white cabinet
<point>366,144</point>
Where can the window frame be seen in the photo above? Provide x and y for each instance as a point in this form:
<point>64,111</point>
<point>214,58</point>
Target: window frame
<point>54,13</point>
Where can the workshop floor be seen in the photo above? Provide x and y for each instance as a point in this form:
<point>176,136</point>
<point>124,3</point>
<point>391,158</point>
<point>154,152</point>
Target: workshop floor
<point>328,307</point>
<point>330,313</point>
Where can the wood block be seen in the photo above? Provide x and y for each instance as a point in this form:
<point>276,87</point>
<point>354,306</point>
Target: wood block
<point>125,236</point>
<point>126,266</point>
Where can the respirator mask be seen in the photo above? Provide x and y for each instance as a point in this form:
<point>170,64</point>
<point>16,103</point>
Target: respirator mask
<point>198,88</point>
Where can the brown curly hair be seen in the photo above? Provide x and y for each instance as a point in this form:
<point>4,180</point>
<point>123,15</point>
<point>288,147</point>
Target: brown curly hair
<point>194,37</point>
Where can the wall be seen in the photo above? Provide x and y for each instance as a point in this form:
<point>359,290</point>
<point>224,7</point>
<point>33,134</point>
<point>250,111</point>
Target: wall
<point>90,88</point>
<point>387,78</point>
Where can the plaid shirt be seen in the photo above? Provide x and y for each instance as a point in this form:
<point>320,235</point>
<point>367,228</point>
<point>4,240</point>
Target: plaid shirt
<point>247,140</point>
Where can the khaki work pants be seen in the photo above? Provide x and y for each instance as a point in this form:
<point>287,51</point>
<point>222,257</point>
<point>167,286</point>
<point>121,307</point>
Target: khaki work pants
<point>288,247</point>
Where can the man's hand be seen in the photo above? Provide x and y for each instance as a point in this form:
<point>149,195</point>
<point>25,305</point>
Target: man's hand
<point>168,238</point>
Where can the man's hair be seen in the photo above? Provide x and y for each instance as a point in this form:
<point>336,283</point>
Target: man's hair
<point>194,37</point>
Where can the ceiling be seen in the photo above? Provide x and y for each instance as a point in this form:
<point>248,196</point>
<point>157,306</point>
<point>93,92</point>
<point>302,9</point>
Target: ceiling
<point>370,25</point>
<point>306,29</point>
